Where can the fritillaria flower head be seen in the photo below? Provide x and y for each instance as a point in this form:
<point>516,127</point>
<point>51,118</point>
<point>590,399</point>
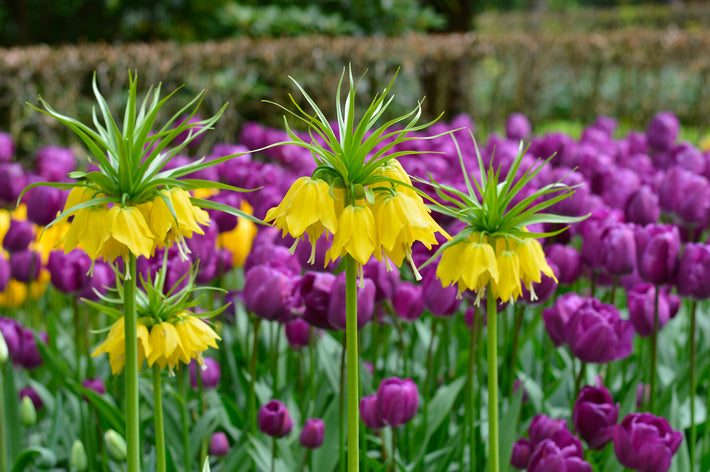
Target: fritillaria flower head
<point>495,249</point>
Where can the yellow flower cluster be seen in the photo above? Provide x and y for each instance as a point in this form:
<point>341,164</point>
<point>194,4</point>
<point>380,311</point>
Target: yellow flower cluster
<point>507,264</point>
<point>168,343</point>
<point>115,231</point>
<point>386,228</point>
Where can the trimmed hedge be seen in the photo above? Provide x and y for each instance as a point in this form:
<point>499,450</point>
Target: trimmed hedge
<point>629,74</point>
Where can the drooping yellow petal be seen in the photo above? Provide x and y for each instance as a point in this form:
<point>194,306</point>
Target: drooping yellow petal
<point>508,287</point>
<point>128,227</point>
<point>356,235</point>
<point>449,268</point>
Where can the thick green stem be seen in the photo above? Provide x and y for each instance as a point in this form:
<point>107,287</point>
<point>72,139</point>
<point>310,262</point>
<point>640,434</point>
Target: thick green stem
<point>492,341</point>
<point>341,411</point>
<point>158,419</point>
<point>3,432</point>
<point>183,381</point>
<point>693,427</point>
<point>352,364</point>
<point>133,443</point>
<point>273,454</point>
<point>654,353</point>
<point>394,449</point>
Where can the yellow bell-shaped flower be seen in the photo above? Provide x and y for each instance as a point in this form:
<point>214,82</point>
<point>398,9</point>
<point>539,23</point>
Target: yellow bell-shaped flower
<point>115,345</point>
<point>129,228</point>
<point>357,235</point>
<point>508,287</point>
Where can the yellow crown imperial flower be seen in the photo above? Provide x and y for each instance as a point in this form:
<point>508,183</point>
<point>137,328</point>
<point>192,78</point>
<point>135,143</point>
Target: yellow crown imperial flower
<point>508,287</point>
<point>356,235</point>
<point>180,340</point>
<point>115,346</point>
<point>532,264</point>
<point>182,224</point>
<point>89,230</point>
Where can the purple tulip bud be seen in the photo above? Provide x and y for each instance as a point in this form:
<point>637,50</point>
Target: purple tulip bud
<point>365,303</point>
<point>557,316</point>
<point>568,260</point>
<point>19,236</point>
<point>657,249</point>
<point>694,211</point>
<point>312,433</point>
<point>642,207</point>
<point>102,279</point>
<point>274,420</point>
<point>209,372</point>
<point>96,384</point>
<point>269,254</point>
<point>68,272</point>
<point>577,204</point>
<point>312,294</point>
<point>385,280</point>
<point>517,127</point>
<point>33,395</point>
<point>440,300</point>
<point>551,457</point>
<point>225,221</point>
<point>25,266</point>
<point>593,230</point>
<point>12,181</point>
<point>267,293</point>
<point>596,333</point>
<point>54,163</point>
<point>641,303</point>
<point>408,301</point>
<point>645,442</point>
<point>219,444</point>
<point>298,333</point>
<point>397,400</point>
<point>29,356</point>
<point>7,147</point>
<point>522,451</point>
<point>12,332</point>
<point>689,158</point>
<point>203,246</point>
<point>619,250</point>
<point>43,204</point>
<point>662,131</point>
<point>543,427</point>
<point>370,414</point>
<point>694,272</point>
<point>595,416</point>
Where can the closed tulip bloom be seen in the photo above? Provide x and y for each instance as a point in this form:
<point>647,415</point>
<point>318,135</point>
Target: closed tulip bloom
<point>645,443</point>
<point>397,400</point>
<point>96,384</point>
<point>12,180</point>
<point>657,250</point>
<point>19,236</point>
<point>312,433</point>
<point>54,163</point>
<point>408,301</point>
<point>370,414</point>
<point>642,207</point>
<point>543,427</point>
<point>11,330</point>
<point>669,190</point>
<point>365,303</point>
<point>517,127</point>
<point>219,444</point>
<point>595,416</point>
<point>693,210</point>
<point>267,293</point>
<point>440,300</point>
<point>297,333</point>
<point>557,316</point>
<point>32,394</point>
<point>68,272</point>
<point>694,272</point>
<point>522,451</point>
<point>596,333</point>
<point>29,356</point>
<point>312,297</point>
<point>662,131</point>
<point>274,420</point>
<point>210,373</point>
<point>550,457</point>
<point>641,303</point>
<point>386,280</point>
<point>25,266</point>
<point>619,250</point>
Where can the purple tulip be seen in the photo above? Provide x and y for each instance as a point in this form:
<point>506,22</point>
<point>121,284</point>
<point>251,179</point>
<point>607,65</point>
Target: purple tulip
<point>25,266</point>
<point>312,297</point>
<point>298,333</point>
<point>619,250</point>
<point>210,373</point>
<point>694,210</point>
<point>557,316</point>
<point>441,301</point>
<point>19,236</point>
<point>596,333</point>
<point>641,303</point>
<point>543,290</point>
<point>268,254</point>
<point>219,444</point>
<point>12,181</point>
<point>689,157</point>
<point>397,400</point>
<point>267,293</point>
<point>645,443</point>
<point>568,260</point>
<point>100,281</point>
<point>517,127</point>
<point>318,262</point>
<point>370,414</point>
<point>68,272</point>
<point>96,384</point>
<point>662,131</point>
<point>33,395</point>
<point>543,427</point>
<point>223,220</point>
<point>694,272</point>
<point>54,163</point>
<point>7,147</point>
<point>12,332</point>
<point>522,451</point>
<point>29,356</point>
<point>549,456</point>
<point>408,301</point>
<point>657,250</point>
<point>595,416</point>
<point>593,230</point>
<point>274,420</point>
<point>43,204</point>
<point>312,433</point>
<point>365,303</point>
<point>642,206</point>
<point>385,280</point>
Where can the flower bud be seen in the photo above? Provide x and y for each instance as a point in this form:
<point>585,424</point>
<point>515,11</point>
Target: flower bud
<point>78,460</point>
<point>274,420</point>
<point>370,414</point>
<point>29,356</point>
<point>365,303</point>
<point>517,127</point>
<point>31,393</point>
<point>96,384</point>
<point>645,442</point>
<point>115,445</point>
<point>219,444</point>
<point>642,207</point>
<point>312,433</point>
<point>662,131</point>
<point>657,250</point>
<point>19,236</point>
<point>408,301</point>
<point>596,333</point>
<point>522,451</point>
<point>694,272</point>
<point>4,353</point>
<point>642,307</point>
<point>397,400</point>
<point>298,333</point>
<point>595,416</point>
<point>25,266</point>
<point>619,250</point>
<point>28,413</point>
<point>210,373</point>
<point>543,427</point>
<point>568,260</point>
<point>267,293</point>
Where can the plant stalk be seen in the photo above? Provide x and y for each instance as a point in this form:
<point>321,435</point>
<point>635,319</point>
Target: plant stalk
<point>133,444</point>
<point>492,342</point>
<point>3,431</point>
<point>654,353</point>
<point>252,375</point>
<point>471,403</point>
<point>693,427</point>
<point>353,378</point>
<point>158,419</point>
